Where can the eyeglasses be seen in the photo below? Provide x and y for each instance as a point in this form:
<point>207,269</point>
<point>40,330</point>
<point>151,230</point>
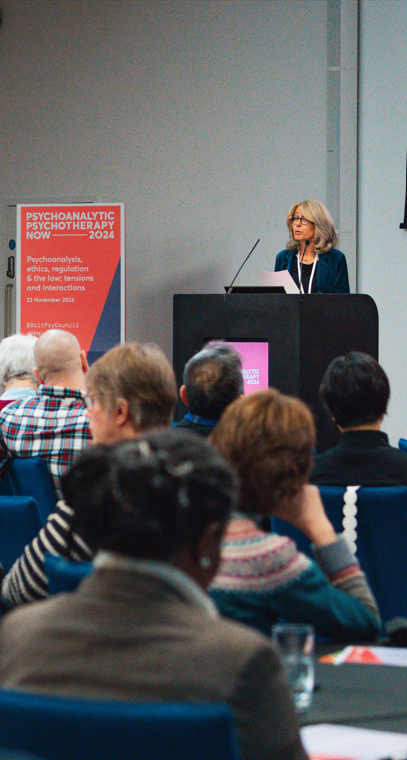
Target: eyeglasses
<point>301,219</point>
<point>88,401</point>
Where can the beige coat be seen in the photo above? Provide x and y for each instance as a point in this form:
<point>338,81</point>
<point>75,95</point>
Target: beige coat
<point>127,635</point>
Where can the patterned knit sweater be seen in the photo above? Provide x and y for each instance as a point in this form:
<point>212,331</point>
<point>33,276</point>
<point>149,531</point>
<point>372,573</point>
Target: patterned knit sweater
<point>263,578</point>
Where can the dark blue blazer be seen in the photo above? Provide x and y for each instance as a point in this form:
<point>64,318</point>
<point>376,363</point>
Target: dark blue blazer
<point>332,270</point>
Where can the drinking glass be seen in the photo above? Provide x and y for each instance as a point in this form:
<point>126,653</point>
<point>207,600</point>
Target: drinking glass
<point>295,644</point>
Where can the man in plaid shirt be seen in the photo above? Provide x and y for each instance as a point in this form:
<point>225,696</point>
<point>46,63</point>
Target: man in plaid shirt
<point>53,424</point>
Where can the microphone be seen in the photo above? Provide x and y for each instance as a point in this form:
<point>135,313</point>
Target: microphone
<point>300,262</point>
<point>229,290</point>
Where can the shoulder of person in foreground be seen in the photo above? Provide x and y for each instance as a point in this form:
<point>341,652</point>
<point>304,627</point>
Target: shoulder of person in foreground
<point>333,596</point>
<point>273,579</point>
<point>27,580</point>
<point>265,715</point>
<point>244,661</point>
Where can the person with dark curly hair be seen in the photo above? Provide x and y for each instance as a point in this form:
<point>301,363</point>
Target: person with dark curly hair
<point>141,626</point>
<point>269,439</point>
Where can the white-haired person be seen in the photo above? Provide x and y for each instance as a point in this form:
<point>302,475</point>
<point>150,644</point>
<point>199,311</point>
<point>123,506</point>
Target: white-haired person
<point>16,368</point>
<point>310,256</point>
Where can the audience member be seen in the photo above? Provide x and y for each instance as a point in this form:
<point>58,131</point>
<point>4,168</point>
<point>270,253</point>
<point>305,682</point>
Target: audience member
<point>16,368</point>
<point>355,392</point>
<point>269,439</point>
<point>212,380</point>
<point>52,424</point>
<point>141,626</point>
<point>131,389</point>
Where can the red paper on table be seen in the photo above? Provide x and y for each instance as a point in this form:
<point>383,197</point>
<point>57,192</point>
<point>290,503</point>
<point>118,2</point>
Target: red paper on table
<point>363,655</point>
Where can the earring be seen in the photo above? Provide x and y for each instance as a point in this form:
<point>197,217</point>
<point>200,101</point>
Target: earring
<point>205,563</point>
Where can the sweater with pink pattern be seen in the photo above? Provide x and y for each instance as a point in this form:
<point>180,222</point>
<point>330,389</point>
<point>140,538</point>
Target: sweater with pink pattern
<point>264,578</point>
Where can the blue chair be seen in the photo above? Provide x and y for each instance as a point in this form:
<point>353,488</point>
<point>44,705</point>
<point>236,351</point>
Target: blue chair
<point>11,754</point>
<point>6,489</point>
<point>64,575</point>
<point>403,444</point>
<point>19,524</point>
<point>374,521</point>
<point>30,477</point>
<point>72,729</point>
<point>380,537</point>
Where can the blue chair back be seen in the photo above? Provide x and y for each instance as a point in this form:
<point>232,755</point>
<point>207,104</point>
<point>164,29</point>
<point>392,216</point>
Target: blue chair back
<point>381,545</point>
<point>30,477</point>
<point>374,521</point>
<point>68,729</point>
<point>12,754</point>
<point>6,489</point>
<point>19,524</point>
<point>64,575</point>
<point>403,444</point>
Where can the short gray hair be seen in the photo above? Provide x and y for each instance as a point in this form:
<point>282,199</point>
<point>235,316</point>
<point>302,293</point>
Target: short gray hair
<point>17,358</point>
<point>325,236</point>
<point>213,379</point>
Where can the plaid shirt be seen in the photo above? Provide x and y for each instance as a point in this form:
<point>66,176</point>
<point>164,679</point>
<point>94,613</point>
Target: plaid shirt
<point>51,425</point>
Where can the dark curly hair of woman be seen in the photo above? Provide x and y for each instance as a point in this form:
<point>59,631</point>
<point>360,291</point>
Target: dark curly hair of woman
<point>149,497</point>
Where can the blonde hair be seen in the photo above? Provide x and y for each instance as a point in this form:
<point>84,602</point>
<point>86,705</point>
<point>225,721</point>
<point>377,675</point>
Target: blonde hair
<point>142,375</point>
<point>268,438</point>
<point>325,236</point>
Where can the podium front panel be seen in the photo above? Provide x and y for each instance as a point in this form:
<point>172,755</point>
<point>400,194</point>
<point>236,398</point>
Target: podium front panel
<point>332,325</point>
<point>243,317</point>
<point>304,333</point>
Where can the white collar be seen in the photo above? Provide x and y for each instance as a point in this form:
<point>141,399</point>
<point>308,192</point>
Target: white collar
<point>172,576</point>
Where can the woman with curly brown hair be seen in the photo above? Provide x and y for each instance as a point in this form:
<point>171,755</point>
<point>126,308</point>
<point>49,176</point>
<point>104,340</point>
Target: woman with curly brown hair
<point>269,439</point>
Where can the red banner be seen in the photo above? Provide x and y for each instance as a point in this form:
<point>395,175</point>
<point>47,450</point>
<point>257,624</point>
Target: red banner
<point>70,270</point>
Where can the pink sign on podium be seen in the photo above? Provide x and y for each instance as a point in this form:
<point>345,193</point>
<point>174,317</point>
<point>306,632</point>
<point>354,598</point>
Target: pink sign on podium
<point>255,364</point>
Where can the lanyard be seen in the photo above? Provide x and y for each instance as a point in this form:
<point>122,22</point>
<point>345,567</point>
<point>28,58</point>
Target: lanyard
<point>299,273</point>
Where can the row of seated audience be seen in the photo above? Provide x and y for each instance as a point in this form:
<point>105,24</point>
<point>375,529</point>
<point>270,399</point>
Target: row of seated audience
<point>153,510</point>
<point>129,390</point>
<point>52,423</point>
<point>141,626</point>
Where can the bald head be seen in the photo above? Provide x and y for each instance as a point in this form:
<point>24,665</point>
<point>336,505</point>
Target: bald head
<point>59,359</point>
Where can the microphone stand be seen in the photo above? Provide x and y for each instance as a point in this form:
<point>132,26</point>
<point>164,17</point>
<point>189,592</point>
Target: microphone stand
<point>229,290</point>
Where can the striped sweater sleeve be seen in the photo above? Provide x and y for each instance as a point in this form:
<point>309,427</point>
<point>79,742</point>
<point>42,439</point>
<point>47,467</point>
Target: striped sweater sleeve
<point>26,580</point>
<point>341,567</point>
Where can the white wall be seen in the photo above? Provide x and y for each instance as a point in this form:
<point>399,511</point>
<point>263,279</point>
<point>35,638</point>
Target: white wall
<point>382,175</point>
<point>206,117</point>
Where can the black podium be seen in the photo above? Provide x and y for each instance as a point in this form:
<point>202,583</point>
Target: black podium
<point>304,333</point>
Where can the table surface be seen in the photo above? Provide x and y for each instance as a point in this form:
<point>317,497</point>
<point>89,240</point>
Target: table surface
<point>372,696</point>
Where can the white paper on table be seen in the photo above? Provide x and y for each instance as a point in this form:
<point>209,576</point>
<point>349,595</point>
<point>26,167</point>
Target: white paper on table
<point>396,656</point>
<point>281,279</point>
<point>330,742</point>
